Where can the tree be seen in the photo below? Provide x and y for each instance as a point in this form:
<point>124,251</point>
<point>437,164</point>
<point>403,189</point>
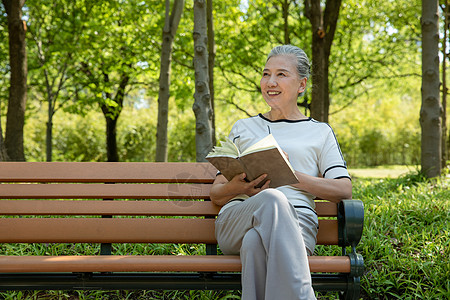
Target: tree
<point>431,110</point>
<point>376,45</point>
<point>15,117</point>
<point>323,24</point>
<point>55,28</point>
<point>3,77</point>
<point>115,50</point>
<point>211,61</point>
<point>169,30</point>
<point>243,41</point>
<point>446,13</point>
<point>202,103</point>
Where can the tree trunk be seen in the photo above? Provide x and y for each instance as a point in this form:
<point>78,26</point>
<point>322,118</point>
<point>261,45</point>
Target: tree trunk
<point>15,117</point>
<point>3,155</point>
<point>169,31</point>
<point>320,97</point>
<point>111,138</point>
<point>52,97</point>
<point>202,103</point>
<point>444,87</point>
<point>285,5</point>
<point>49,137</point>
<point>50,113</point>
<point>211,62</point>
<point>323,25</point>
<point>112,115</point>
<point>431,110</point>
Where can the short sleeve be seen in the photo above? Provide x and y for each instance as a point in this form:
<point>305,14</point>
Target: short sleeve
<point>331,161</point>
<point>234,134</point>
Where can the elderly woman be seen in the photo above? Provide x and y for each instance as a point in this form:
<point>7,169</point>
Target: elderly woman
<point>274,230</point>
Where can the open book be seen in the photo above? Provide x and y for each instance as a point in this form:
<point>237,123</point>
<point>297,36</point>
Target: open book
<point>263,157</point>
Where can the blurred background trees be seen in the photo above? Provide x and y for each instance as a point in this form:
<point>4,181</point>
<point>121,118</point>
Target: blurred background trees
<point>94,69</point>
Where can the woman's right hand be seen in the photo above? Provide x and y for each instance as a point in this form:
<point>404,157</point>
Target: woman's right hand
<point>223,190</point>
<point>249,187</point>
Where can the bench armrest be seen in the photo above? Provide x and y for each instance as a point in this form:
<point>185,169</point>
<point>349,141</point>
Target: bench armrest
<point>351,222</point>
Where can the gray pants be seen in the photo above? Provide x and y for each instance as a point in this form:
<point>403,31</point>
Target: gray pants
<point>265,230</point>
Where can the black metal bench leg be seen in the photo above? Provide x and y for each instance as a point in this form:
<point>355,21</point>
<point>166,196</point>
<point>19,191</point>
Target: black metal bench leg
<point>353,290</point>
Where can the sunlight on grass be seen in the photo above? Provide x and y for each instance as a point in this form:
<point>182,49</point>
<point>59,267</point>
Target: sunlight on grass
<point>392,171</point>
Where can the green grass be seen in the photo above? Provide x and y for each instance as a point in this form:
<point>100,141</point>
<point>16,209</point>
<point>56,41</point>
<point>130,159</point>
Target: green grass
<point>405,244</point>
<point>406,240</point>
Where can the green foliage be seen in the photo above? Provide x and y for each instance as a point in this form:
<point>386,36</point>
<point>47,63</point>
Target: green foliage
<point>82,138</point>
<point>182,139</point>
<point>379,136</point>
<point>244,39</point>
<point>376,46</point>
<point>110,39</point>
<point>104,41</point>
<point>182,78</point>
<point>406,237</point>
<point>55,28</point>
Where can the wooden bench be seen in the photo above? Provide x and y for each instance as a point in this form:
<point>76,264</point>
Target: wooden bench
<point>47,203</point>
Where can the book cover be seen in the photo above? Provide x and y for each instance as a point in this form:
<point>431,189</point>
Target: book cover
<point>263,157</point>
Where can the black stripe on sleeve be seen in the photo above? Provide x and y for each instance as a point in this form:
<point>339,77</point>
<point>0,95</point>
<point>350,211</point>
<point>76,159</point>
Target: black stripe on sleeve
<point>332,168</point>
<point>343,177</point>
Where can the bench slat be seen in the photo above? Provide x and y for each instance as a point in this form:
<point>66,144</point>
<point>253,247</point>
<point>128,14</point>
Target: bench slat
<point>147,263</point>
<point>102,191</point>
<point>124,230</point>
<point>115,208</point>
<point>98,230</point>
<point>123,208</point>
<point>328,232</point>
<point>107,172</point>
<point>326,209</point>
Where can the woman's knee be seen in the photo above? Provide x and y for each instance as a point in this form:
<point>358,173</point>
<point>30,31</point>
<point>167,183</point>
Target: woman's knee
<point>252,243</point>
<point>273,197</point>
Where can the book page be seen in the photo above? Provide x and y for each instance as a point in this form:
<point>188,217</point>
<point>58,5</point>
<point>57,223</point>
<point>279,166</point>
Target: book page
<point>227,148</point>
<point>268,142</point>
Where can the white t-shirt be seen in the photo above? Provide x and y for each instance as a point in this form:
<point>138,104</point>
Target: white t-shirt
<point>311,145</point>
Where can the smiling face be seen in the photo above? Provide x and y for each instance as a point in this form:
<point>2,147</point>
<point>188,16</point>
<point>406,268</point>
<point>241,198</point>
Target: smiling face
<point>281,83</point>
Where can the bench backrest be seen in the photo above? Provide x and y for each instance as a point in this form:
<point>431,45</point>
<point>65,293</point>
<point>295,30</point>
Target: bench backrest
<point>65,204</point>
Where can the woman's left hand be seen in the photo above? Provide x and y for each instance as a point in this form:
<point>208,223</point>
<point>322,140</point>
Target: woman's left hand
<point>285,154</point>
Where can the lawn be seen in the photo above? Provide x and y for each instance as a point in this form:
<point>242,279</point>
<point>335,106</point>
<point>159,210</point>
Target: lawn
<point>406,239</point>
<point>382,171</point>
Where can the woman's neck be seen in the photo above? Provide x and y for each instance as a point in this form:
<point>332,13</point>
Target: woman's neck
<point>294,115</point>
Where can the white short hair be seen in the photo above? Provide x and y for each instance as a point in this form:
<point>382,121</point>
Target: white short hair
<point>303,64</point>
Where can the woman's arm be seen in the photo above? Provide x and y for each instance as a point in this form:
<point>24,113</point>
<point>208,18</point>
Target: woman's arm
<point>223,190</point>
<point>324,188</point>
<point>333,190</point>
